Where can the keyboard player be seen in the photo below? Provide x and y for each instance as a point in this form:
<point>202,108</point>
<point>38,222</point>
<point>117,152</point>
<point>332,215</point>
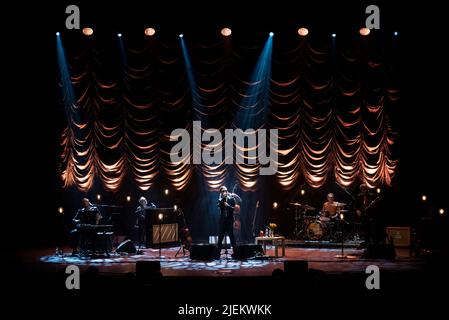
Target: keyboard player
<point>87,215</point>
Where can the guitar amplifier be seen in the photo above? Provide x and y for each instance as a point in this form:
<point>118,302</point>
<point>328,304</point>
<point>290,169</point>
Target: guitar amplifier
<point>398,236</point>
<point>169,233</point>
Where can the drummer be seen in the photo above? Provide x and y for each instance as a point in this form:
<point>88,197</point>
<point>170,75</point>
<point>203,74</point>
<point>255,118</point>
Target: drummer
<point>331,208</point>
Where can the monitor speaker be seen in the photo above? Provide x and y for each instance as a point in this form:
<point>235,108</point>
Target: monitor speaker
<point>203,252</point>
<point>126,246</point>
<point>242,252</point>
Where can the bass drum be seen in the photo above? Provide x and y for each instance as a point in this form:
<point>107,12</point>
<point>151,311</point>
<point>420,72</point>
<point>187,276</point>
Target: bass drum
<point>315,230</point>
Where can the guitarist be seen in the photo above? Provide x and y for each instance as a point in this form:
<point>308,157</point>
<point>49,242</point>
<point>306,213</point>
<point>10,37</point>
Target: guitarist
<point>363,210</point>
<point>226,202</point>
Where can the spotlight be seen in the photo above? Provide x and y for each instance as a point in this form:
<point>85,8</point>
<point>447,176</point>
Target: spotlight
<point>160,216</point>
<point>303,32</point>
<point>378,190</point>
<point>275,205</point>
<point>128,198</point>
<point>303,192</point>
<point>226,32</point>
<point>364,31</point>
<point>88,31</point>
<point>98,197</point>
<point>57,34</point>
<point>175,207</point>
<point>396,33</point>
<point>166,192</point>
<point>424,197</point>
<point>441,211</point>
<point>334,35</point>
<point>60,210</point>
<point>342,216</point>
<point>150,32</point>
<point>181,35</point>
<point>119,35</point>
<point>271,34</point>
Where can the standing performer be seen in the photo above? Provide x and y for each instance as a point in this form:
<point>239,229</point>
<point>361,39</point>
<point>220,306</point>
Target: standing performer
<point>226,202</point>
<point>141,218</point>
<point>363,207</point>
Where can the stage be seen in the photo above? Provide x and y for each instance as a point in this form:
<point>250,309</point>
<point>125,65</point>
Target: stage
<point>324,260</point>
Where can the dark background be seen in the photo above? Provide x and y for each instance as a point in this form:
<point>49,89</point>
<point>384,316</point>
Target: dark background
<point>32,118</point>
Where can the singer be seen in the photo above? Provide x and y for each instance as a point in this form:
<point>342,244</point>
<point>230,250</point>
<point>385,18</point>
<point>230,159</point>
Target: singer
<point>226,203</point>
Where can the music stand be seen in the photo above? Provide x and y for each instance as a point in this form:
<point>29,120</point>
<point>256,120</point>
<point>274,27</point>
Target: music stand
<point>342,242</point>
<point>160,217</point>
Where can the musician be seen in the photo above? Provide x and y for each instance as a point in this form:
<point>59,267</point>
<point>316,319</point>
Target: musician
<point>329,208</point>
<point>141,218</point>
<point>226,203</point>
<point>363,200</point>
<point>88,214</point>
<point>363,204</point>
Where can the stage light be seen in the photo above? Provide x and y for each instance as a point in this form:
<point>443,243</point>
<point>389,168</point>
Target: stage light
<point>364,31</point>
<point>128,198</point>
<point>166,192</point>
<point>334,35</point>
<point>275,205</point>
<point>60,210</point>
<point>98,197</point>
<point>160,216</point>
<point>150,32</point>
<point>303,192</point>
<point>342,216</point>
<point>181,35</point>
<point>303,32</point>
<point>119,35</point>
<point>175,207</point>
<point>378,190</point>
<point>88,31</point>
<point>57,34</point>
<point>424,197</point>
<point>271,34</point>
<point>441,211</point>
<point>226,32</point>
<point>396,33</point>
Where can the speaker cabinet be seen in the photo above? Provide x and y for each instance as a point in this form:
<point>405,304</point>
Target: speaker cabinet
<point>242,252</point>
<point>203,252</point>
<point>398,236</point>
<point>126,247</point>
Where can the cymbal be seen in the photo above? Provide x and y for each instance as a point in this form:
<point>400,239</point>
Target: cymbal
<point>303,206</point>
<point>344,211</point>
<point>307,207</point>
<point>338,204</point>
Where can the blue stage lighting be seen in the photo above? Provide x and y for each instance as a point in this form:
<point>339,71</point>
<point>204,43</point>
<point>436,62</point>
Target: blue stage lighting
<point>181,35</point>
<point>334,35</point>
<point>119,35</point>
<point>396,33</point>
<point>271,34</point>
<point>57,33</point>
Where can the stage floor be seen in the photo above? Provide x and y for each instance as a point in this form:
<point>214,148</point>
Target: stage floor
<point>325,260</point>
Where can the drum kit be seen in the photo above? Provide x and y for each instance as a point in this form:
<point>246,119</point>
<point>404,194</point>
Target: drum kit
<point>324,226</point>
